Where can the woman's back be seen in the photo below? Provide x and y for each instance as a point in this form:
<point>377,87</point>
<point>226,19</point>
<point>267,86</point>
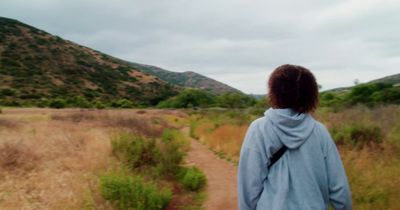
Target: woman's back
<point>309,175</point>
<point>300,179</point>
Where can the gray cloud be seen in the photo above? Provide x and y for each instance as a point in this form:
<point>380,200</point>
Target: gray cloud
<point>238,42</point>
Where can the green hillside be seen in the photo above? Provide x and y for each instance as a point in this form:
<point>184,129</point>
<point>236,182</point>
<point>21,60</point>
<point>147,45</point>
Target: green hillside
<point>392,79</point>
<point>36,66</point>
<point>388,80</point>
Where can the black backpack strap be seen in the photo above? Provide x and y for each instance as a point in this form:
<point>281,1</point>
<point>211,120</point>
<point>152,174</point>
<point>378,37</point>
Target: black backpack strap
<point>277,155</point>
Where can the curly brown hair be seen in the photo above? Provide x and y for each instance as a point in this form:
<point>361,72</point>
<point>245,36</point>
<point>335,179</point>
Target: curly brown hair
<point>295,87</point>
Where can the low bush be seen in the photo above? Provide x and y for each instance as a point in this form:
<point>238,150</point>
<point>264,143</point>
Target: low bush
<point>172,152</point>
<point>57,103</point>
<point>135,151</point>
<point>357,134</point>
<point>189,98</point>
<point>130,192</point>
<point>193,179</point>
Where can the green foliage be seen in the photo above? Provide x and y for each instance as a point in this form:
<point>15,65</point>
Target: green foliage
<point>193,179</point>
<point>57,103</point>
<point>366,94</point>
<point>171,152</point>
<point>99,104</point>
<point>370,94</point>
<point>78,101</point>
<point>10,102</point>
<point>138,152</point>
<point>154,158</point>
<point>235,100</point>
<point>357,134</point>
<point>135,151</point>
<point>189,98</point>
<point>129,192</point>
<point>8,92</point>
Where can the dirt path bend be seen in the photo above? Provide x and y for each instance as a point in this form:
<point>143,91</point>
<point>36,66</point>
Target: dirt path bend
<point>221,176</point>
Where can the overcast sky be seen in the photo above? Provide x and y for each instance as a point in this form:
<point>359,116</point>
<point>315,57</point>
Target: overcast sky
<point>238,42</point>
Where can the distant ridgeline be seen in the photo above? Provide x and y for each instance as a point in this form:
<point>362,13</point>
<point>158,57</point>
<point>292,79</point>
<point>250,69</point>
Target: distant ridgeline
<point>39,69</point>
<point>381,91</point>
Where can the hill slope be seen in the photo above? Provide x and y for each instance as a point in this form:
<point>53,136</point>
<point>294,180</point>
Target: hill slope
<point>35,64</point>
<point>186,79</point>
<point>392,80</point>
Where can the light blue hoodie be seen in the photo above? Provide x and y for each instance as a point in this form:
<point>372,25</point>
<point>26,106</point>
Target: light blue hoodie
<point>310,174</point>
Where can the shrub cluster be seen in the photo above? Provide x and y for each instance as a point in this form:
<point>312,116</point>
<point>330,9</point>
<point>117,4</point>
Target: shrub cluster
<point>190,98</point>
<point>130,192</point>
<point>366,94</point>
<point>136,151</point>
<point>357,134</point>
<point>64,102</point>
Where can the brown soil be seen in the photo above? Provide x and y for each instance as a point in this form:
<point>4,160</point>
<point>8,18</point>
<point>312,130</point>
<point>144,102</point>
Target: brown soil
<point>221,176</point>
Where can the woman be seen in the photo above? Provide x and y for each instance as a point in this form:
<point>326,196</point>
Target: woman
<point>288,160</point>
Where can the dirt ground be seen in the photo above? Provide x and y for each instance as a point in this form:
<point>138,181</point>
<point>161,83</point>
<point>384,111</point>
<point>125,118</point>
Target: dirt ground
<point>221,176</point>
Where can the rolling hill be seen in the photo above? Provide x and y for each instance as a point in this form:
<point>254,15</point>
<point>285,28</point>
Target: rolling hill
<point>35,65</point>
<point>392,80</point>
<point>186,79</point>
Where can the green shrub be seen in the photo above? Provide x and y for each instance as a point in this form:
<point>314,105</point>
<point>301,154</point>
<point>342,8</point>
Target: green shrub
<point>135,151</point>
<point>235,100</point>
<point>189,98</point>
<point>57,103</point>
<point>193,179</point>
<point>78,101</point>
<point>357,134</point>
<point>8,92</point>
<point>171,152</point>
<point>127,192</point>
<point>99,105</point>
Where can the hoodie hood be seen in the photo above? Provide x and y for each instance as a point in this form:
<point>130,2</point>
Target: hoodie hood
<point>292,128</point>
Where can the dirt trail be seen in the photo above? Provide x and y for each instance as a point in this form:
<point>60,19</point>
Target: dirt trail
<point>221,176</point>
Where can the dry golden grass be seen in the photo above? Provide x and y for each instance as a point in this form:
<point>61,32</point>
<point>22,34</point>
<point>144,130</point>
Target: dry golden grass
<point>226,139</point>
<point>51,159</point>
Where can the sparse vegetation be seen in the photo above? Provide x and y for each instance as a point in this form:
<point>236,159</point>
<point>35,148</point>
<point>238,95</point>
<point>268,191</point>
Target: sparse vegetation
<point>193,179</point>
<point>43,149</point>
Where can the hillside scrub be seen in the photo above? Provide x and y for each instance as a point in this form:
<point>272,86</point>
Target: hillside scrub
<point>366,94</point>
<point>191,98</point>
<point>36,66</point>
